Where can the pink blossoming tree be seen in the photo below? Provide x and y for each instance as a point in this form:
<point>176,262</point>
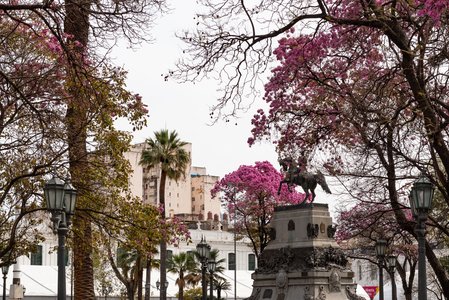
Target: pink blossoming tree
<point>360,226</point>
<point>250,196</point>
<point>362,82</point>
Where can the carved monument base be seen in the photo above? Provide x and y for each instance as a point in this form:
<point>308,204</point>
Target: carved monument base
<point>303,261</point>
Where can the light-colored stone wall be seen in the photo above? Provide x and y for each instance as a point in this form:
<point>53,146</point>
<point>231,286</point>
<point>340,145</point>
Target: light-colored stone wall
<point>318,215</point>
<point>202,201</point>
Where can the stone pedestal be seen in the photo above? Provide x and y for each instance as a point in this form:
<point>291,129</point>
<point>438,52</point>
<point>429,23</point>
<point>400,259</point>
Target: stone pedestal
<point>303,261</point>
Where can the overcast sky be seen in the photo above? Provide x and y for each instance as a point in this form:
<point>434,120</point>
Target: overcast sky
<point>221,148</point>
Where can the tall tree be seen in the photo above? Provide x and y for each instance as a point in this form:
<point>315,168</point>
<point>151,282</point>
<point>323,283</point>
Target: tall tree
<point>363,78</point>
<point>181,264</point>
<point>250,195</point>
<point>78,28</point>
<point>165,151</point>
<point>35,77</point>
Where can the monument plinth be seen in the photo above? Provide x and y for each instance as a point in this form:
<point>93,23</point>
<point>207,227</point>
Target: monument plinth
<point>303,261</point>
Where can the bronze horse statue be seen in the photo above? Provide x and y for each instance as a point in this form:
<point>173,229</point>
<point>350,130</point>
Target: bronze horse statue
<point>308,181</point>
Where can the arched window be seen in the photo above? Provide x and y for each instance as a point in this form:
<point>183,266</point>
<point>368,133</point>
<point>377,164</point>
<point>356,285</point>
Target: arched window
<point>225,217</point>
<point>291,225</point>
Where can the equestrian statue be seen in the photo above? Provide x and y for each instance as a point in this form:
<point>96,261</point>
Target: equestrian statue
<point>295,174</point>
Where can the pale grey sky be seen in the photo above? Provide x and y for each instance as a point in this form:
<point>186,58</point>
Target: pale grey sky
<point>221,148</point>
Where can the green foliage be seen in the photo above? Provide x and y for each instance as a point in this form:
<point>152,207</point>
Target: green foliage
<point>221,284</point>
<point>193,293</point>
<point>166,150</point>
<point>182,264</point>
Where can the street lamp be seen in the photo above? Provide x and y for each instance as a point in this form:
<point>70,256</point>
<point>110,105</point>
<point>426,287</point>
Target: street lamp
<point>234,191</point>
<point>5,270</point>
<point>381,248</point>
<point>211,265</point>
<point>391,263</point>
<point>158,285</point>
<point>421,197</point>
<point>203,250</point>
<point>61,199</point>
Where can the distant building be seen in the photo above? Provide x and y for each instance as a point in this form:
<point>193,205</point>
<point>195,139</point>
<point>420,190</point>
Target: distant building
<point>189,198</point>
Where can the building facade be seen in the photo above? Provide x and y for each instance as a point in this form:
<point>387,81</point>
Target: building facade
<point>188,198</point>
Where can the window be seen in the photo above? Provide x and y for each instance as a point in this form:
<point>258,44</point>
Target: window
<point>373,272</point>
<point>231,261</point>
<point>193,199</point>
<point>169,256</point>
<point>193,189</point>
<point>291,225</point>
<point>36,257</point>
<point>177,195</point>
<point>251,262</point>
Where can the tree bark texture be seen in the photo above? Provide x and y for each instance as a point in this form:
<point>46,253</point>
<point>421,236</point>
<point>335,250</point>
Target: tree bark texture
<point>76,25</point>
<point>163,245</point>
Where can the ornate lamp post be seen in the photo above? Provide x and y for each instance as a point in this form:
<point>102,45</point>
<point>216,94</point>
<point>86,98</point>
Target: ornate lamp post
<point>381,247</point>
<point>203,250</point>
<point>421,197</point>
<point>158,285</point>
<point>211,265</point>
<point>391,263</point>
<point>5,270</point>
<point>61,199</point>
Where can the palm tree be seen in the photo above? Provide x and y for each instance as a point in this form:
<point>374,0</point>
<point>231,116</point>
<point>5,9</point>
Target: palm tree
<point>181,264</point>
<point>166,151</point>
<point>221,284</point>
<point>196,276</point>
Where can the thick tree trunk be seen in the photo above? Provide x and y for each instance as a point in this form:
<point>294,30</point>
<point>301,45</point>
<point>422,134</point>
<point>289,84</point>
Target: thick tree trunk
<point>83,266</point>
<point>76,25</point>
<point>163,249</point>
<point>130,291</point>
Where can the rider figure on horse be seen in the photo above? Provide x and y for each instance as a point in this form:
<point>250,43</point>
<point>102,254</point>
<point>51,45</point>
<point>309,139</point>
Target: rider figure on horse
<point>295,168</point>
